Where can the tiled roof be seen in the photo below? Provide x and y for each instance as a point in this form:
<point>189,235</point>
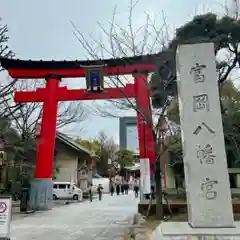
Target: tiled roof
<point>40,64</point>
<point>70,142</point>
<point>133,168</point>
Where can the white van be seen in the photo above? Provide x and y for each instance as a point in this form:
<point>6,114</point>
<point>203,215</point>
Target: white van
<point>66,190</point>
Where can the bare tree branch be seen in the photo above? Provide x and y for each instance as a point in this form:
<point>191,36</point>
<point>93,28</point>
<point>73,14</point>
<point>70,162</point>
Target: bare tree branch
<point>123,42</point>
<point>6,87</point>
<point>26,116</point>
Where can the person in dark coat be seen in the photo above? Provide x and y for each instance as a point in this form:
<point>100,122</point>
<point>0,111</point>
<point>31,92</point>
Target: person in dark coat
<point>122,188</point>
<point>136,189</point>
<point>90,191</point>
<point>118,189</point>
<point>126,187</point>
<point>99,190</point>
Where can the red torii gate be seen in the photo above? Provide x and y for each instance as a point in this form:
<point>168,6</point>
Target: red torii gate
<point>53,72</point>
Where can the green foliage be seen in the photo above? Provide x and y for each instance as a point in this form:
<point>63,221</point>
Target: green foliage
<point>16,145</point>
<point>173,111</point>
<point>55,171</point>
<point>209,28</point>
<point>19,151</point>
<point>11,141</point>
<point>223,32</point>
<point>125,157</point>
<point>230,98</point>
<point>86,143</point>
<point>91,145</point>
<point>176,157</point>
<point>160,90</point>
<point>107,150</point>
<point>104,147</point>
<point>231,129</point>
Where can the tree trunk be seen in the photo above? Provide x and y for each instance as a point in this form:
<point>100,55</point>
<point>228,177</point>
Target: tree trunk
<point>158,180</point>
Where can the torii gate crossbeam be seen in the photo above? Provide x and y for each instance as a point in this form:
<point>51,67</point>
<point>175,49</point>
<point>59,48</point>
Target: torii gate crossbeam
<point>53,72</point>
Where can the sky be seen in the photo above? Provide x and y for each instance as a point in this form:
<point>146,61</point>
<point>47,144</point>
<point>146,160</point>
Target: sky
<point>43,30</point>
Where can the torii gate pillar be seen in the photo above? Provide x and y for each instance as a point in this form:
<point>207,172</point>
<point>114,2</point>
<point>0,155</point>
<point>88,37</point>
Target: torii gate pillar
<point>42,186</point>
<point>144,120</point>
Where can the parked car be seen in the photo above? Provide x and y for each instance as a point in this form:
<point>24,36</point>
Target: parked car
<point>66,190</point>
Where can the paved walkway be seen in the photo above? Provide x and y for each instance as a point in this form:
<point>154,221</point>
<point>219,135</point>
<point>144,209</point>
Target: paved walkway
<point>98,220</point>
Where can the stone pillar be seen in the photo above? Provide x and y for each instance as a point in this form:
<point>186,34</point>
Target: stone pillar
<point>210,214</point>
<point>205,165</point>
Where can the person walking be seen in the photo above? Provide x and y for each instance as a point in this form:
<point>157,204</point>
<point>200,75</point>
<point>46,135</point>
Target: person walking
<point>90,192</point>
<point>111,188</point>
<point>99,190</point>
<point>118,188</point>
<point>122,187</point>
<point>136,189</point>
<point>126,187</point>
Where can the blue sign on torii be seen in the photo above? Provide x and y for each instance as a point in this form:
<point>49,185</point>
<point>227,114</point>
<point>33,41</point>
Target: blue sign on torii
<point>95,78</point>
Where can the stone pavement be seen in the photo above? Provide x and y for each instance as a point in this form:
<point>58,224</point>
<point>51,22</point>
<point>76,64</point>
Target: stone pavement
<point>99,220</point>
<point>16,214</point>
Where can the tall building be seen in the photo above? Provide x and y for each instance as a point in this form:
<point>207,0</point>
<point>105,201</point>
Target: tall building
<point>128,133</point>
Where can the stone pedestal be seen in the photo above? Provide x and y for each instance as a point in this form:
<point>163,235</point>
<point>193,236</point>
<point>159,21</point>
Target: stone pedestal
<point>41,194</point>
<point>183,231</point>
